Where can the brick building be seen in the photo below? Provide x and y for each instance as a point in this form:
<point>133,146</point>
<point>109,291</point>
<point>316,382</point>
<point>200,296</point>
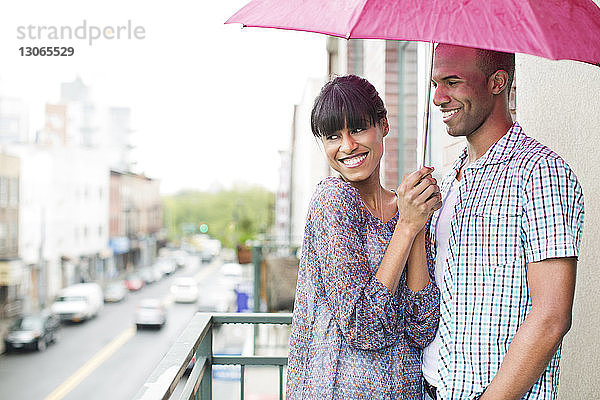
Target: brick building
<point>135,215</point>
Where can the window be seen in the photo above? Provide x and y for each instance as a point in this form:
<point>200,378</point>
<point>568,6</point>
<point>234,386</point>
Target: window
<point>13,192</point>
<point>3,237</point>
<point>3,191</point>
<point>14,238</point>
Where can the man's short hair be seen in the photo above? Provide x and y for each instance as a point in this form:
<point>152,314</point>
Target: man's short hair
<point>491,61</point>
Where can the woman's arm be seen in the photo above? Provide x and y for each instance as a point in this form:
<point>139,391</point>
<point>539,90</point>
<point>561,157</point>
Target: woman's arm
<point>417,273</point>
<point>418,198</point>
<point>421,309</point>
<point>419,294</point>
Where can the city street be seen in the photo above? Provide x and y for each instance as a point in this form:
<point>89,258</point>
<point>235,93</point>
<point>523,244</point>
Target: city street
<point>106,357</point>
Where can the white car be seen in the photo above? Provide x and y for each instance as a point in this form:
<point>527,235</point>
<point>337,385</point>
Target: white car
<point>232,270</point>
<point>150,312</point>
<point>217,298</point>
<point>115,292</point>
<point>185,290</point>
<point>79,302</point>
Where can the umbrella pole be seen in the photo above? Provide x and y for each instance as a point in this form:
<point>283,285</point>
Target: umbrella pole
<point>425,132</point>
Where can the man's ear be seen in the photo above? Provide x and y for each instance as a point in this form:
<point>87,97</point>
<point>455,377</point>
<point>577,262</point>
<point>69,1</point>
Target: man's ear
<point>498,81</point>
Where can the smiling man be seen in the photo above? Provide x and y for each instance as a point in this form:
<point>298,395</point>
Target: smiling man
<point>505,242</point>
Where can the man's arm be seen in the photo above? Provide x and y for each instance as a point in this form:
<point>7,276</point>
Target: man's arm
<point>551,287</point>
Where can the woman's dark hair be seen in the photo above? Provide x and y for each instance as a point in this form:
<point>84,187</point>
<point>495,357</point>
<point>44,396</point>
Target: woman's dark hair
<point>346,101</point>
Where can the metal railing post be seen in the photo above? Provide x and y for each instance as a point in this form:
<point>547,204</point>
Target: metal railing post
<point>257,260</point>
<point>205,351</point>
<point>281,382</point>
<point>242,381</point>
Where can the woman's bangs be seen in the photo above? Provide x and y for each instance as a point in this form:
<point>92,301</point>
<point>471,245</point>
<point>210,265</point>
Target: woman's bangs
<point>342,110</point>
<point>359,114</point>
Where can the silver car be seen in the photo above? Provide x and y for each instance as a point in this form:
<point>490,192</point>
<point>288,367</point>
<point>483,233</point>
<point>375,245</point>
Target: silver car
<point>150,312</point>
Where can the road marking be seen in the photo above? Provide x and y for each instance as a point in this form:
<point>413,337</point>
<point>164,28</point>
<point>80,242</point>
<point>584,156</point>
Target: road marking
<point>91,365</point>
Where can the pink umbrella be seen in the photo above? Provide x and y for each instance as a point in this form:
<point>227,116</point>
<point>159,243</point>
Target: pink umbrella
<point>554,29</point>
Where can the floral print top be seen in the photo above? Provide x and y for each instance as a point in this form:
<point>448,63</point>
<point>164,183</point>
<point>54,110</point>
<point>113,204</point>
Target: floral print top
<point>352,338</point>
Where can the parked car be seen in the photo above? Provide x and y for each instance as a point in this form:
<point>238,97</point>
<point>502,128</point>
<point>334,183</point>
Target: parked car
<point>115,292</point>
<point>33,331</point>
<point>180,257</point>
<point>133,282</point>
<point>185,290</point>
<point>150,312</point>
<point>149,275</point>
<point>159,272</point>
<point>166,265</point>
<point>79,302</point>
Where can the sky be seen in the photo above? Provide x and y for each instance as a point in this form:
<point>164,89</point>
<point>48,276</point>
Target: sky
<point>211,103</point>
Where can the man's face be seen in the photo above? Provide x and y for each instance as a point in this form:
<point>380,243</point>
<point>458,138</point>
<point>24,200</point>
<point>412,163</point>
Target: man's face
<point>462,91</point>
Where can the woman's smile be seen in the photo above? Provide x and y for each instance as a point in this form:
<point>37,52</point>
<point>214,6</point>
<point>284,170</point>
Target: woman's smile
<point>354,160</point>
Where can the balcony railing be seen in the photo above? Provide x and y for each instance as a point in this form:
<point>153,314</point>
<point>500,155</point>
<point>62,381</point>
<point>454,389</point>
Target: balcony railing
<point>196,340</point>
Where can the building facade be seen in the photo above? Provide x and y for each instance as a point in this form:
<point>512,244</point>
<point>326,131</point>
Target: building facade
<point>308,163</point>
<point>14,126</point>
<point>282,229</point>
<point>63,214</point>
<point>12,284</point>
<point>135,219</point>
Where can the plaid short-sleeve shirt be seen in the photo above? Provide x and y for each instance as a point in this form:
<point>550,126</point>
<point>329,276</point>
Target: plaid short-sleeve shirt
<point>518,203</point>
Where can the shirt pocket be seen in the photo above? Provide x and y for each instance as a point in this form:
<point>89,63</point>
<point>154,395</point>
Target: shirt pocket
<point>497,239</point>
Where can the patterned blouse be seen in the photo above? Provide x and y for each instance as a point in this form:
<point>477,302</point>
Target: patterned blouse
<point>352,338</point>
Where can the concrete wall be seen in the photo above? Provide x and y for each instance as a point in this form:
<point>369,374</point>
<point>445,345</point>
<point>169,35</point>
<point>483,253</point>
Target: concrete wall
<point>558,104</point>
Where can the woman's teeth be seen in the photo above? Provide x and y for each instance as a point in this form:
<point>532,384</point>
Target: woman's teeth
<point>354,161</point>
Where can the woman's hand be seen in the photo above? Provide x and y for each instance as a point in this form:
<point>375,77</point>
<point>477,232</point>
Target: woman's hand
<point>418,198</point>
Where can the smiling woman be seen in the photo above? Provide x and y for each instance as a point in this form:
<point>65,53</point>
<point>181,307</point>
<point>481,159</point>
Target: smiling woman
<point>351,125</point>
<point>360,316</point>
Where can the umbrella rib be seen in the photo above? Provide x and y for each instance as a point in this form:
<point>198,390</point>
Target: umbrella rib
<point>540,42</point>
<point>355,18</point>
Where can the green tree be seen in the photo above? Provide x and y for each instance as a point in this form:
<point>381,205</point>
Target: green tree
<point>233,216</point>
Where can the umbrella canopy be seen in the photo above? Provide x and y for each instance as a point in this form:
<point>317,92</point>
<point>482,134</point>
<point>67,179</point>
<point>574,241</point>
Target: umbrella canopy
<point>554,29</point>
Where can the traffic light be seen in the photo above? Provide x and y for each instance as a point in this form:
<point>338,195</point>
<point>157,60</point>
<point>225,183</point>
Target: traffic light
<point>203,228</point>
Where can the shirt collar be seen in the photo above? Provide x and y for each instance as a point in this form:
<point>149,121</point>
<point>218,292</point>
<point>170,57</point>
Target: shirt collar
<point>499,152</point>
